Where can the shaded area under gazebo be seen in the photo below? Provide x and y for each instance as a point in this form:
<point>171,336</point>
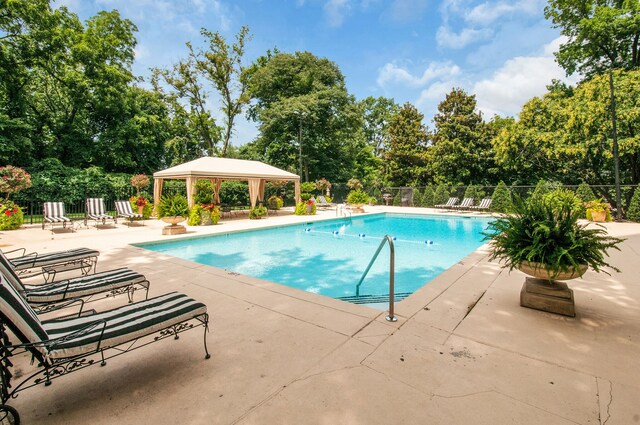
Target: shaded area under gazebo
<point>218,169</point>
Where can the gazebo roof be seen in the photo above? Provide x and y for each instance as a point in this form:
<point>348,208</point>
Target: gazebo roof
<point>210,167</point>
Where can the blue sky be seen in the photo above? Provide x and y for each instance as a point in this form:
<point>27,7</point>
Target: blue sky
<point>410,50</point>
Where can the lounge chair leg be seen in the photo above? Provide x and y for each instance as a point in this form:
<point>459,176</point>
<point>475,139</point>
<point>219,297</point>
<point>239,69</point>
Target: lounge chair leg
<point>47,381</point>
<point>9,415</point>
<point>206,330</point>
<point>103,362</point>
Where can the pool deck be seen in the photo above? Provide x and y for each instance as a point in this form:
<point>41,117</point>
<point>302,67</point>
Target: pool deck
<point>462,352</point>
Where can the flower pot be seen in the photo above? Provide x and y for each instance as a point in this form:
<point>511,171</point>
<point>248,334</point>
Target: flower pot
<point>598,216</point>
<point>539,271</point>
<point>140,209</point>
<point>205,218</point>
<point>357,208</point>
<point>173,220</point>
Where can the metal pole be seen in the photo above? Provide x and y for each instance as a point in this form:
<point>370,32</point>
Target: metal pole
<point>616,155</point>
<point>392,257</point>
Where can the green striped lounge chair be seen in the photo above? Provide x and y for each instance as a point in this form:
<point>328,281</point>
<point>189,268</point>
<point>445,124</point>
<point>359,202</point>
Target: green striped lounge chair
<point>32,264</point>
<point>453,201</point>
<point>465,204</point>
<point>53,213</point>
<point>96,211</point>
<point>45,297</point>
<point>123,209</point>
<point>64,345</point>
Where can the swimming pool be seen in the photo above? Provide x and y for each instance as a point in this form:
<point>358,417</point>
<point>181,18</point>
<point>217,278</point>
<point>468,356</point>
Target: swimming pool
<point>329,257</point>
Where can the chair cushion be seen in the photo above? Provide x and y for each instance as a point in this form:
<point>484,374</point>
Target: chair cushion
<point>122,324</point>
<point>27,261</point>
<point>18,315</point>
<point>82,286</point>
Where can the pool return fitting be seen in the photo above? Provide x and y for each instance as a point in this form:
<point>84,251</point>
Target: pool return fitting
<point>391,317</point>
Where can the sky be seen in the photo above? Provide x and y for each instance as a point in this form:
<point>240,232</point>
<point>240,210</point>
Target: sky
<point>409,50</point>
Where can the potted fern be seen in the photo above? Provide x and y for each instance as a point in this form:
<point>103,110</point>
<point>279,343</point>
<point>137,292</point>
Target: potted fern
<point>173,210</point>
<point>546,241</point>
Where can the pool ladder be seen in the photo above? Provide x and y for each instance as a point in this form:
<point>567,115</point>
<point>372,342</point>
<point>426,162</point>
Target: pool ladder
<point>342,211</point>
<point>392,257</point>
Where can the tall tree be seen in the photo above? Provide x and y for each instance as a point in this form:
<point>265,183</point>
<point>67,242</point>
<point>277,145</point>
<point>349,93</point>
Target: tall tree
<point>408,142</point>
<point>461,151</point>
<point>308,121</point>
<point>602,36</point>
<point>376,113</point>
<point>222,65</point>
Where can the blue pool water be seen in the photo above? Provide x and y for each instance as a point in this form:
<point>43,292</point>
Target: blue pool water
<point>329,257</point>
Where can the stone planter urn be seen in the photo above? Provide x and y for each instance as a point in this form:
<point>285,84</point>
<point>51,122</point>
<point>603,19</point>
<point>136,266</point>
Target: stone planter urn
<point>173,228</point>
<point>599,216</point>
<point>545,291</point>
<point>357,208</point>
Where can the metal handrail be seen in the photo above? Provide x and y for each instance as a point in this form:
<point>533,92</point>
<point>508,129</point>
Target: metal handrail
<point>392,257</point>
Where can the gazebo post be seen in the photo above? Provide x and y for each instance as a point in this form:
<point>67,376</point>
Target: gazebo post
<point>157,193</point>
<point>296,190</point>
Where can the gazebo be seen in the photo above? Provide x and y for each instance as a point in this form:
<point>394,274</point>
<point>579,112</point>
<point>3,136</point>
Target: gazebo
<point>218,169</point>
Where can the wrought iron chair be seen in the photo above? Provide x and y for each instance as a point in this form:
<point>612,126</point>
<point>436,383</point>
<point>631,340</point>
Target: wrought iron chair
<point>96,211</point>
<point>27,265</point>
<point>64,345</point>
<point>453,201</point>
<point>45,297</point>
<point>53,213</point>
<point>465,204</point>
<point>123,209</point>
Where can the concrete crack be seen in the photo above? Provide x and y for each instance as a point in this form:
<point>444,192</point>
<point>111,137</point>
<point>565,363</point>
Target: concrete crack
<point>608,409</point>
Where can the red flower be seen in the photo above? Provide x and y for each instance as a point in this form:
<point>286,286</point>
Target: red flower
<point>141,202</point>
<point>310,202</point>
<point>7,213</point>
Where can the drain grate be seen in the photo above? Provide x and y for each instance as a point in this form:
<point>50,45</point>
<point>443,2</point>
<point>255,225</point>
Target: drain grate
<point>372,299</point>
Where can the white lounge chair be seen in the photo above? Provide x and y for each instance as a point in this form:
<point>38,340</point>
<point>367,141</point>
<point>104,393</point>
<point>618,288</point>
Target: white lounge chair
<point>53,213</point>
<point>123,209</point>
<point>96,211</point>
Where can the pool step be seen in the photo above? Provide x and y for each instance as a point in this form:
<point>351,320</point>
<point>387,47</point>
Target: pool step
<point>372,299</point>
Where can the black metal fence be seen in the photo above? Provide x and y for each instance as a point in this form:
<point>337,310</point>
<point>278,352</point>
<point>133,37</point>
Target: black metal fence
<point>398,196</point>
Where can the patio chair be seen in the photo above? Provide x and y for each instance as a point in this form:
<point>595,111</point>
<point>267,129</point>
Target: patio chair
<point>64,345</point>
<point>25,265</point>
<point>450,203</point>
<point>123,209</point>
<point>53,213</point>
<point>45,297</point>
<point>484,205</point>
<point>321,202</point>
<point>465,204</point>
<point>96,211</point>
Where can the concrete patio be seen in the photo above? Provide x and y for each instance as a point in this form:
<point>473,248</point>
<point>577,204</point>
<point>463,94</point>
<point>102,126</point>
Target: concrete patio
<point>462,352</point>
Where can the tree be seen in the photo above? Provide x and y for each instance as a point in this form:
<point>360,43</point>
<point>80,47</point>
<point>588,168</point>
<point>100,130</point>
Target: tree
<point>222,66</point>
<point>602,36</point>
<point>308,121</point>
<point>408,143</point>
<point>461,151</point>
<point>377,113</point>
<point>501,199</point>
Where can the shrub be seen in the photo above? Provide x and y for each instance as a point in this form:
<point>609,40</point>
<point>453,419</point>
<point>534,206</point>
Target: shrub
<point>275,202</point>
<point>203,192</point>
<point>233,192</point>
<point>427,197</point>
<point>473,192</point>
<point>13,180</point>
<point>560,198</point>
<point>257,212</point>
<point>357,197</point>
<point>11,216</point>
<point>417,198</point>
<point>597,206</point>
<point>140,181</point>
<point>194,215</point>
<point>354,184</point>
<point>307,187</point>
<point>441,195</point>
<point>585,193</point>
<point>147,208</point>
<point>397,200</point>
<point>633,213</point>
<point>173,205</point>
<point>301,208</point>
<point>323,184</point>
<point>501,199</point>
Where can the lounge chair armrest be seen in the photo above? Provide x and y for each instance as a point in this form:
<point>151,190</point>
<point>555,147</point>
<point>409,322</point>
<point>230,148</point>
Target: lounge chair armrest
<point>24,250</point>
<point>59,306</point>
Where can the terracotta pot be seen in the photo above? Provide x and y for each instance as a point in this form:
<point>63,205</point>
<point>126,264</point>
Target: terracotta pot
<point>539,271</point>
<point>173,220</point>
<point>140,209</point>
<point>598,216</point>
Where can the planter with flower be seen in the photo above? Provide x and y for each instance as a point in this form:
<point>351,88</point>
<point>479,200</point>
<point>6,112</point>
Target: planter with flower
<point>357,199</point>
<point>142,205</point>
<point>546,242</point>
<point>12,180</point>
<point>204,212</point>
<point>598,210</point>
<point>324,185</point>
<point>140,182</point>
<point>306,206</point>
<point>173,210</point>
<point>275,202</point>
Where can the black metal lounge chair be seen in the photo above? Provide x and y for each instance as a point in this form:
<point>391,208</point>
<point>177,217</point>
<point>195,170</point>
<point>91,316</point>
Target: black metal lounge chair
<point>46,296</point>
<point>123,209</point>
<point>26,265</point>
<point>484,205</point>
<point>450,203</point>
<point>62,346</point>
<point>53,213</point>
<point>465,204</point>
<point>96,211</point>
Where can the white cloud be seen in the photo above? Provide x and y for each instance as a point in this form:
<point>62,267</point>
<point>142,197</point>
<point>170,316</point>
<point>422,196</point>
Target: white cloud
<point>391,73</point>
<point>488,12</point>
<point>445,37</point>
<point>408,10</point>
<point>335,11</point>
<point>517,81</point>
